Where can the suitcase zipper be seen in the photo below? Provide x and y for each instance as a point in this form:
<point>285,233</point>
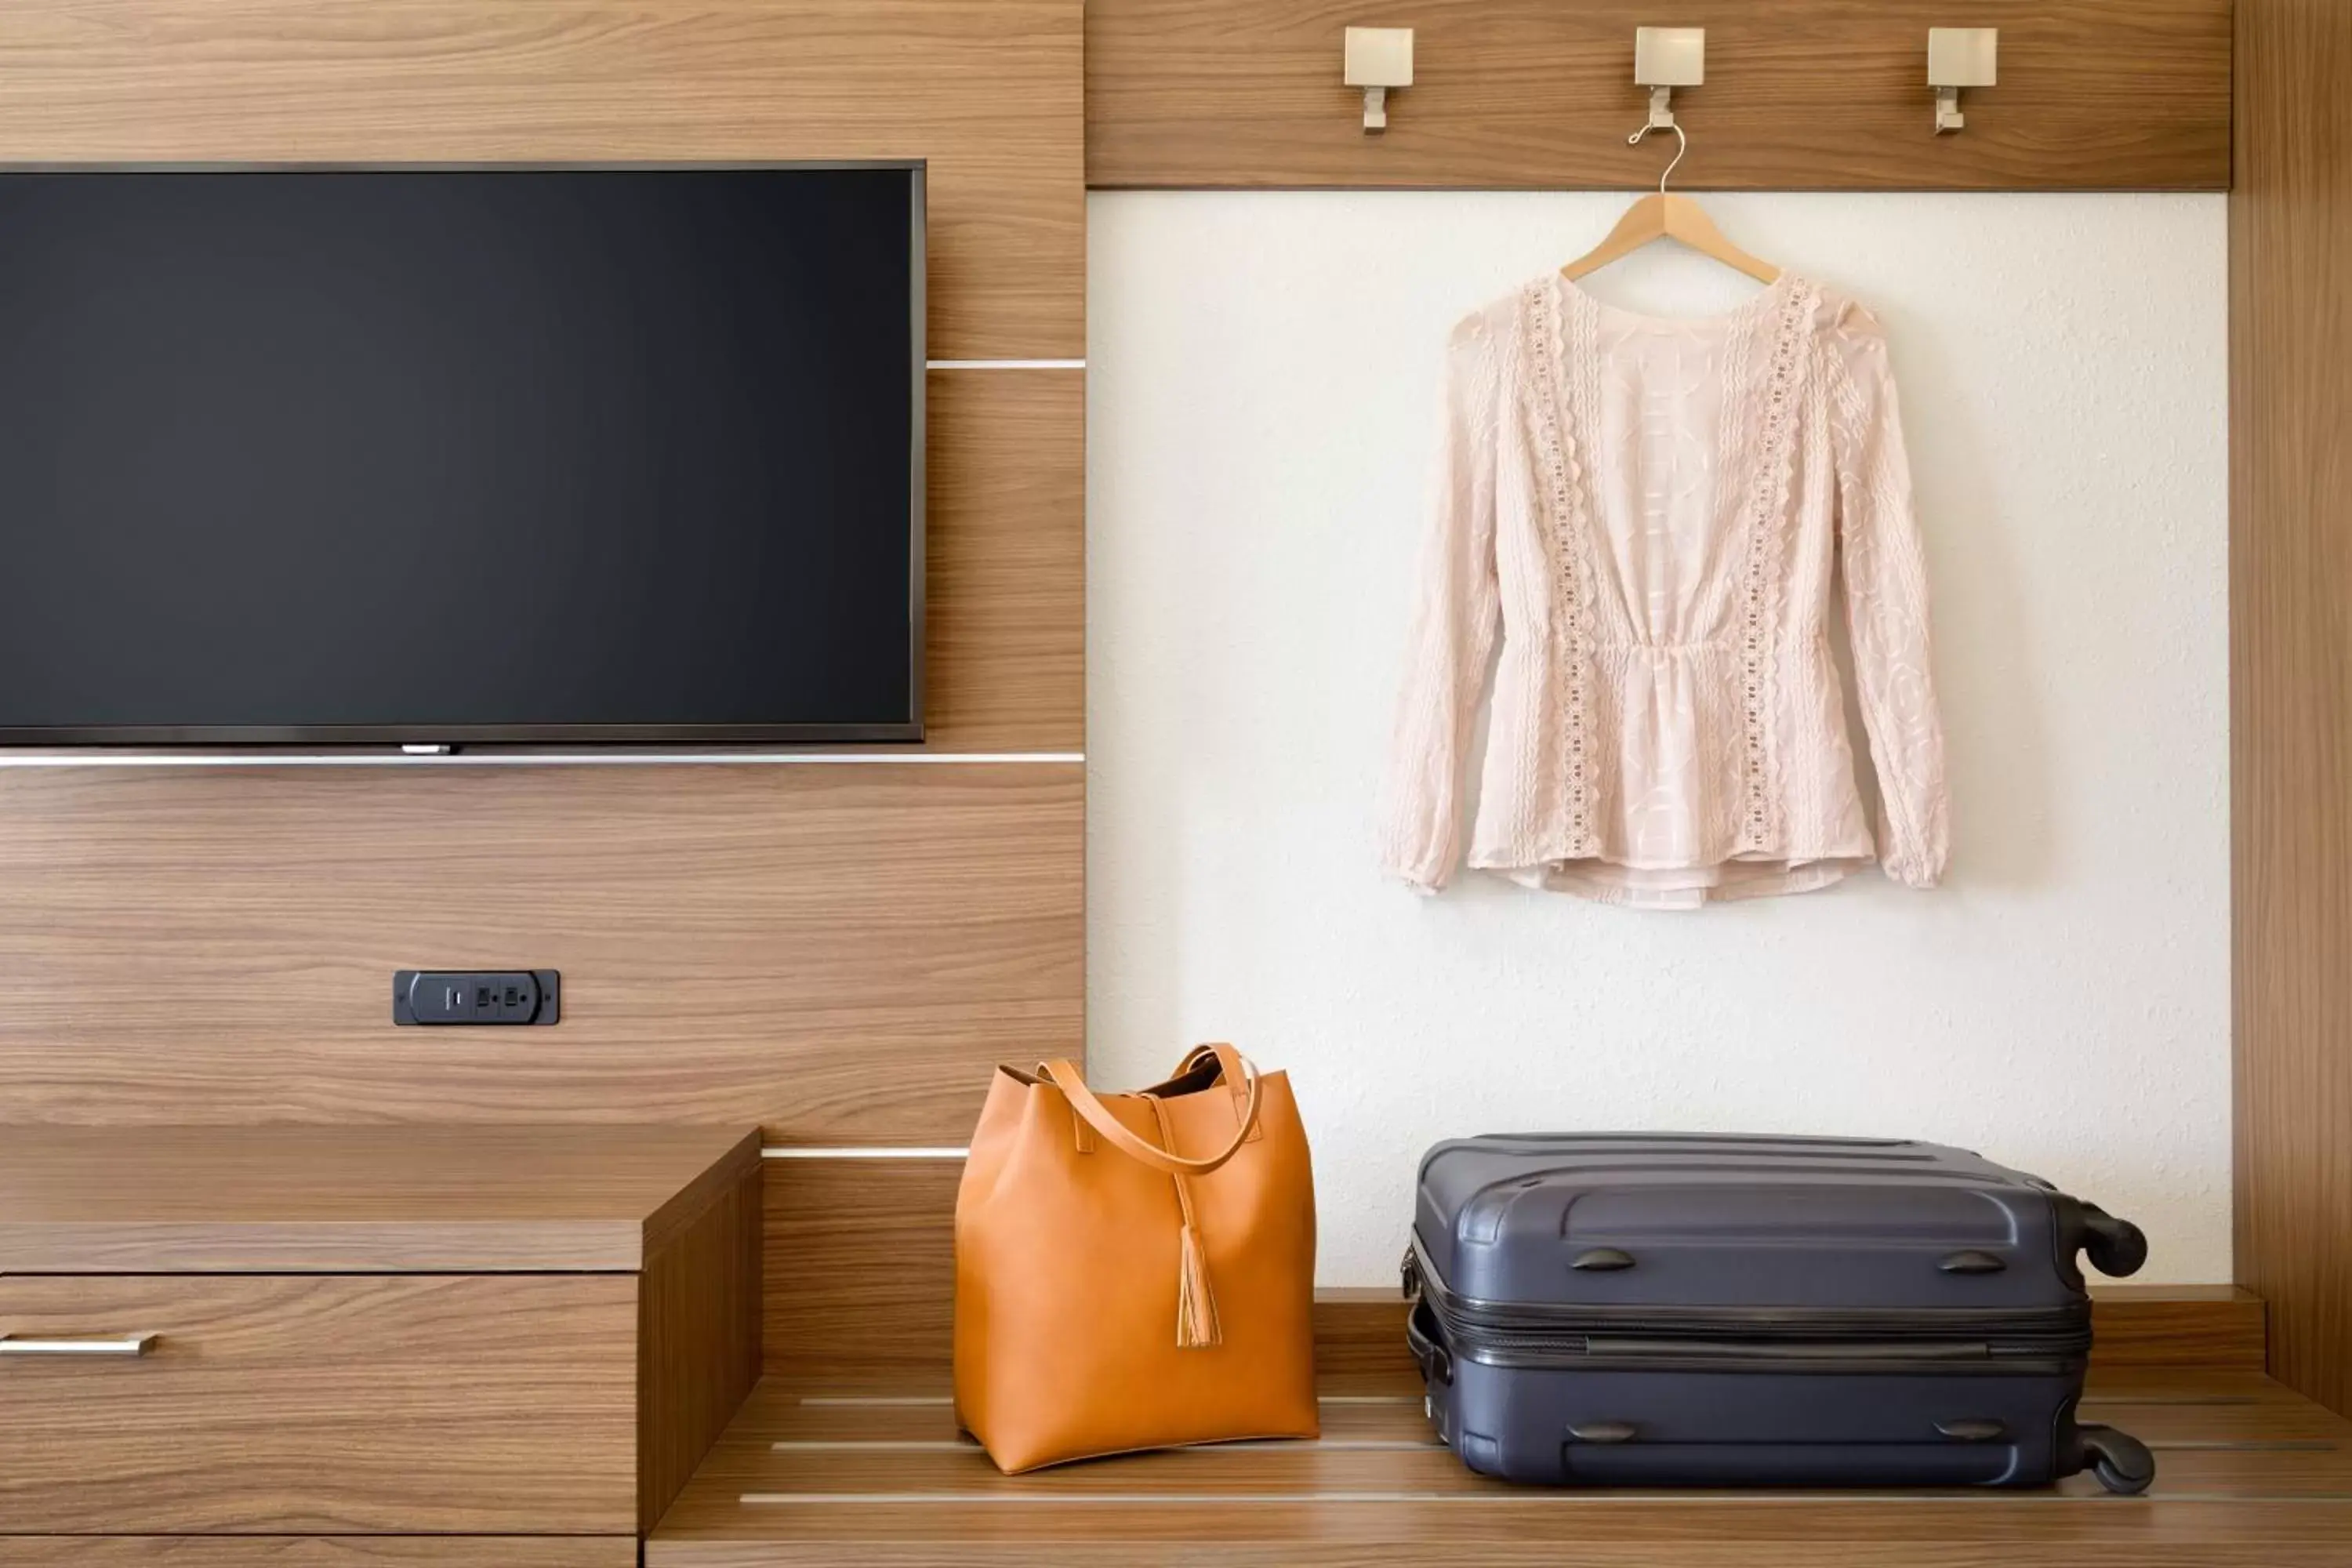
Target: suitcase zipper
<point>1650,1353</point>
<point>1778,1338</point>
<point>1573,1353</point>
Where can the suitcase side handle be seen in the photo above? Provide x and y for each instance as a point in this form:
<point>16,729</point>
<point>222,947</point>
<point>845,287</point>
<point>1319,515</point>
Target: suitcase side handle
<point>1436,1366</point>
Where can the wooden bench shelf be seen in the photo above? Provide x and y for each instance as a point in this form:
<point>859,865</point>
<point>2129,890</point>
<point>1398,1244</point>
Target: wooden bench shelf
<point>870,1469</point>
<point>2249,1474</point>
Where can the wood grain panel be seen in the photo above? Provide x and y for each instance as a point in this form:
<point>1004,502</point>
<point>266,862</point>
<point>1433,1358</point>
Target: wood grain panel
<point>324,1405</point>
<point>837,951</point>
<point>317,1551</point>
<point>2290,682</point>
<point>697,1341</point>
<point>1826,94</point>
<point>986,89</point>
<point>861,1266</point>
<point>1007,582</point>
<point>180,1200</point>
<point>2217,1327</point>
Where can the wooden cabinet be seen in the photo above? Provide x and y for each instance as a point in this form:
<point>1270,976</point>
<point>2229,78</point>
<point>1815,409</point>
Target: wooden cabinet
<point>331,1348</point>
<point>317,1551</point>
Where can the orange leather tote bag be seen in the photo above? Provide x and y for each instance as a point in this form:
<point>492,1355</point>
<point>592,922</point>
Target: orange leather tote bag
<point>1135,1271</point>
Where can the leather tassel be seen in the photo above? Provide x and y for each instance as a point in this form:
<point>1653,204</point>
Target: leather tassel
<point>1196,1306</point>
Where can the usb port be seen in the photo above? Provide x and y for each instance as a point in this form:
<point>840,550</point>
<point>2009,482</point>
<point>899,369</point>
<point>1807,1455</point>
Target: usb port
<point>476,996</point>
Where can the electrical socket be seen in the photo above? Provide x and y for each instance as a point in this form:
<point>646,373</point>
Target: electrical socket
<point>475,996</point>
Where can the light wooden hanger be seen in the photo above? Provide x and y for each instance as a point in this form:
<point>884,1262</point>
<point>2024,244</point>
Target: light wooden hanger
<point>1662,217</point>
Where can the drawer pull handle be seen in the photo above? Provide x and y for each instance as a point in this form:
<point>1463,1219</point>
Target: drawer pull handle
<point>121,1344</point>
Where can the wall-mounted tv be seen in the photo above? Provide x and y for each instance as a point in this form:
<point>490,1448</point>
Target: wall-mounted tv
<point>461,456</point>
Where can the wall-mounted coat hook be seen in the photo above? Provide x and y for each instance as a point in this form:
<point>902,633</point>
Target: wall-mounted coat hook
<point>1379,59</point>
<point>1958,58</point>
<point>1663,59</point>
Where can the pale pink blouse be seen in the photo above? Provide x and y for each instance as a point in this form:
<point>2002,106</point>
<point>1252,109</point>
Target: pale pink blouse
<point>1646,514</point>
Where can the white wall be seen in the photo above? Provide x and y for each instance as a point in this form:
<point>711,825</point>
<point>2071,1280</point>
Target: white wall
<point>1261,377</point>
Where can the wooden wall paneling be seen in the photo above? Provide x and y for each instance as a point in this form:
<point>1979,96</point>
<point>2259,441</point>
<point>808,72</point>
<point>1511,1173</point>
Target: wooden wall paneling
<point>861,1267</point>
<point>1007,578</point>
<point>2290,682</point>
<point>323,1404</point>
<point>837,951</point>
<point>1799,94</point>
<point>987,89</point>
<point>697,1341</point>
<point>2215,1327</point>
<point>822,949</point>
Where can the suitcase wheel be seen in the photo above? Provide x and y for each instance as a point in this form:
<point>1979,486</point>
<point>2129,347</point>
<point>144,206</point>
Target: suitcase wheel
<point>2122,1462</point>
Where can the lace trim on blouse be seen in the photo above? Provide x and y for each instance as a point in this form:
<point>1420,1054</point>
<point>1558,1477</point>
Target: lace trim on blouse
<point>1563,498</point>
<point>1767,502</point>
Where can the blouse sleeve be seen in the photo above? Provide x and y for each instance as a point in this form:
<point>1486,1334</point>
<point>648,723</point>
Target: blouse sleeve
<point>1456,613</point>
<point>1886,605</point>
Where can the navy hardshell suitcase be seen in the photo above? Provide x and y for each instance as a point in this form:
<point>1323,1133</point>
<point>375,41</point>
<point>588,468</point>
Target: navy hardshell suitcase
<point>1705,1310</point>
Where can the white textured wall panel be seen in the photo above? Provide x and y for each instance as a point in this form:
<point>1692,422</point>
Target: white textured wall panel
<point>1263,371</point>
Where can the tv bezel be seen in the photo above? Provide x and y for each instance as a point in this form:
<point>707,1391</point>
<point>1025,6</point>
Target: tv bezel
<point>471,736</point>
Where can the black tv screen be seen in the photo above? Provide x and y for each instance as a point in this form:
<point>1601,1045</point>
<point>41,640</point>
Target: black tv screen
<point>456,455</point>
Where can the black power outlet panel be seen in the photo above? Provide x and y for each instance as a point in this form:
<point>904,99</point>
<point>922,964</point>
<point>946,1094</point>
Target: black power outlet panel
<point>476,996</point>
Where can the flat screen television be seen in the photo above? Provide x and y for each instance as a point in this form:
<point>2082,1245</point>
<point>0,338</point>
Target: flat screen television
<point>461,456</point>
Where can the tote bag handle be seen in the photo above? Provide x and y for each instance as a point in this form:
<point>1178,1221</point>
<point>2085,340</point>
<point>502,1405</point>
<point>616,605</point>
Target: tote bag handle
<point>1065,1076</point>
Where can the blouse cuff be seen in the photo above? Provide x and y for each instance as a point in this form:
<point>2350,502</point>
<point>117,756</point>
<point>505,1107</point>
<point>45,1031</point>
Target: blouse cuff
<point>1912,871</point>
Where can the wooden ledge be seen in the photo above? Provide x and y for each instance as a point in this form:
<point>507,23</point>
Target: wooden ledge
<point>366,1199</point>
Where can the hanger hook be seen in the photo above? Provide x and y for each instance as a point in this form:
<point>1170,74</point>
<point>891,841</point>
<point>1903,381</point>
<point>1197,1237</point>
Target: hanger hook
<point>1681,145</point>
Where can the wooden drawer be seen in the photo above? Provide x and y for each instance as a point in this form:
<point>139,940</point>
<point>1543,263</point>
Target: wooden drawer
<point>317,1551</point>
<point>321,1405</point>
